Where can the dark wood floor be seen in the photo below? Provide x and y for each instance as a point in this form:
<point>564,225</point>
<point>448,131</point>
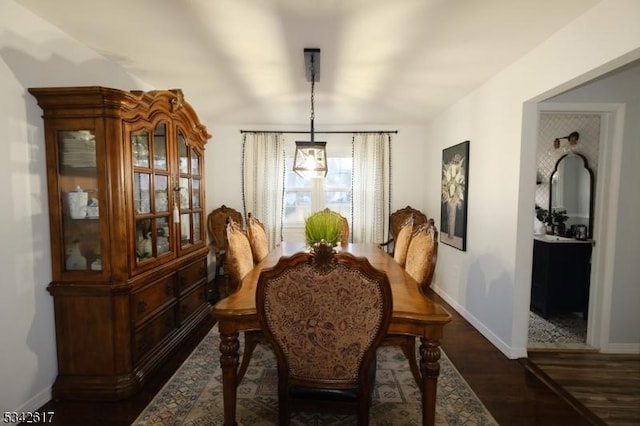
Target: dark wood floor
<point>608,385</point>
<point>511,392</point>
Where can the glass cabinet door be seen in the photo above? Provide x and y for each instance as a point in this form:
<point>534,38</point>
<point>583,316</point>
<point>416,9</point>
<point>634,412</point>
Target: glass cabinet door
<point>190,199</point>
<point>78,183</point>
<point>151,198</point>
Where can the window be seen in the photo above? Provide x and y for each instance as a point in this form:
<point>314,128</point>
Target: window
<point>303,197</point>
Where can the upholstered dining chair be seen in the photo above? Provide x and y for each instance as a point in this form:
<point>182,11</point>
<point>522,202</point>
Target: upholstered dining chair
<point>422,255</point>
<point>257,238</point>
<point>239,259</point>
<point>402,241</point>
<point>260,250</point>
<point>217,226</point>
<point>344,227</point>
<point>239,262</point>
<point>324,314</point>
<point>397,220</point>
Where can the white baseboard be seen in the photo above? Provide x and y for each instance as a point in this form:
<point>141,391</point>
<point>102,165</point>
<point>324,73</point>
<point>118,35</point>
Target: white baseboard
<point>621,348</point>
<point>515,353</point>
<point>33,404</point>
<point>508,351</point>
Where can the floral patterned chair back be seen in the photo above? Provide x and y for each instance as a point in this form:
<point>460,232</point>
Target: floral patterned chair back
<point>324,314</point>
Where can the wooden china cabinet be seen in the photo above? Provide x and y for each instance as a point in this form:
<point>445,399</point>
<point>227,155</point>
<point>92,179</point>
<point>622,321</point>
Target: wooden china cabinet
<point>126,203</point>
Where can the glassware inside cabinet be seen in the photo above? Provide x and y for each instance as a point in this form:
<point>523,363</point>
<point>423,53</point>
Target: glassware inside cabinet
<point>141,192</point>
<point>184,193</point>
<point>195,163</point>
<point>163,242</point>
<point>160,147</point>
<point>78,182</point>
<point>196,227</point>
<point>153,237</point>
<point>161,193</point>
<point>140,148</point>
<point>151,192</point>
<point>144,239</point>
<point>183,153</point>
<point>195,194</point>
<point>185,229</point>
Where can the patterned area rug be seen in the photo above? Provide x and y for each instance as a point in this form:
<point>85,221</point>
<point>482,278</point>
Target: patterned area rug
<point>559,330</point>
<point>193,396</point>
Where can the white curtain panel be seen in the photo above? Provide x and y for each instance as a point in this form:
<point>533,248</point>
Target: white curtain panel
<point>371,187</point>
<point>263,165</point>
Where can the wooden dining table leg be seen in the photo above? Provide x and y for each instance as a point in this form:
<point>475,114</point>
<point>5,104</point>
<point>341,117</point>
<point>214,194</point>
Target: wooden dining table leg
<point>430,370</point>
<point>229,346</point>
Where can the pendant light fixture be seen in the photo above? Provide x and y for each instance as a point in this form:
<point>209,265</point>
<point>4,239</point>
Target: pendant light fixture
<point>310,160</point>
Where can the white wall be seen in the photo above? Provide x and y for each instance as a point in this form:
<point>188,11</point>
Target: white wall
<point>32,54</point>
<point>489,284</point>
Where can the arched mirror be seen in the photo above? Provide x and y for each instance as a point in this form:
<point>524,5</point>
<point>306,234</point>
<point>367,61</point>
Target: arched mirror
<point>571,190</point>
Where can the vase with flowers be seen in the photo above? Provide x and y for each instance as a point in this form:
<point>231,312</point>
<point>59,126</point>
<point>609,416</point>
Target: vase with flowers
<point>453,182</point>
<point>541,220</point>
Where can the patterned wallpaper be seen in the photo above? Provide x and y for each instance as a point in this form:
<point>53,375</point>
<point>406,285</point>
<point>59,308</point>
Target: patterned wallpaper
<point>553,125</point>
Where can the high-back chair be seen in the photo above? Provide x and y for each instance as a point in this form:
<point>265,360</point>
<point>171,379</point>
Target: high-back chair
<point>344,227</point>
<point>260,249</point>
<point>217,226</point>
<point>239,263</point>
<point>324,314</point>
<point>402,241</point>
<point>239,259</point>
<point>396,220</point>
<point>422,255</point>
<point>257,238</point>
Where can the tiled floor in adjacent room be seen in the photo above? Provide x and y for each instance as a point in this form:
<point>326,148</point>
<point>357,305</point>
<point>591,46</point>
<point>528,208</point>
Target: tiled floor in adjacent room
<point>562,331</point>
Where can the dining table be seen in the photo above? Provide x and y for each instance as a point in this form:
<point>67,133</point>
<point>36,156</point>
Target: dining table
<point>414,314</point>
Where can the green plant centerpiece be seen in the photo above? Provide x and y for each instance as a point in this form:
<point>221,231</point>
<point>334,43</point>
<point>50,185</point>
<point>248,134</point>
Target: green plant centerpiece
<point>322,225</point>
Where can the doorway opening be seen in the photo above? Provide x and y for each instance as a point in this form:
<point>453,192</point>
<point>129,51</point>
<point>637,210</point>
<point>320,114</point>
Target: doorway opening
<point>601,125</point>
<point>565,191</point>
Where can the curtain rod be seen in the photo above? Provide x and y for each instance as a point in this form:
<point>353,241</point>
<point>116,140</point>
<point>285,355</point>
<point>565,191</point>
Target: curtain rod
<point>316,131</point>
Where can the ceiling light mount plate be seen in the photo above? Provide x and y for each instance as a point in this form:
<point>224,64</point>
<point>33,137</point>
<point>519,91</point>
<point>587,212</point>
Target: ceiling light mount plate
<point>309,53</point>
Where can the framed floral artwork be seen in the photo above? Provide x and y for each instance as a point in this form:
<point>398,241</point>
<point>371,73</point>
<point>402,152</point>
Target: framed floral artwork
<point>455,185</point>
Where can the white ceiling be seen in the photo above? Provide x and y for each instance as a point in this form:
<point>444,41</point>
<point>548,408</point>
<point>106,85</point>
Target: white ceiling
<point>382,61</point>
